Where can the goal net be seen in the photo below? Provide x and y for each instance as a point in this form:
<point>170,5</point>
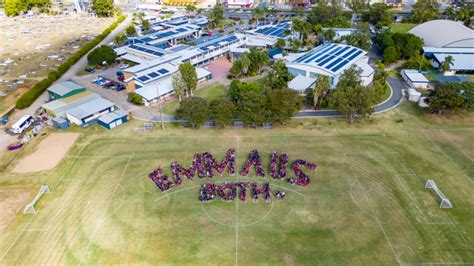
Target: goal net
<point>30,208</point>
<point>445,203</point>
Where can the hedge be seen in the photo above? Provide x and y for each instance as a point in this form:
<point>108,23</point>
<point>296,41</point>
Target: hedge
<point>32,94</point>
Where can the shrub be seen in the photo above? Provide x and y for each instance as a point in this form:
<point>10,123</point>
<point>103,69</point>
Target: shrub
<point>102,54</point>
<point>135,98</point>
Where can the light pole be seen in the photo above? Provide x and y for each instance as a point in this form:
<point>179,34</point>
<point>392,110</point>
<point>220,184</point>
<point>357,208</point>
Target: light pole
<point>159,104</point>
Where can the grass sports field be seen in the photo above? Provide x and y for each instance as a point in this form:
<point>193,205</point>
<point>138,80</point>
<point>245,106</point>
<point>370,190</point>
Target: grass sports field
<point>366,203</point>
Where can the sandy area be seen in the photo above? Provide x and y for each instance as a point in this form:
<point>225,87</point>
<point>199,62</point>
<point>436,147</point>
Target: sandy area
<point>12,201</point>
<point>48,153</point>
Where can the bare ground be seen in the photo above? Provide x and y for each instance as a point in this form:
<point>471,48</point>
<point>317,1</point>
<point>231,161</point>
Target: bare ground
<point>11,202</point>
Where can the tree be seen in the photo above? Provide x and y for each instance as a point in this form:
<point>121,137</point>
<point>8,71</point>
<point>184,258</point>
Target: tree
<point>424,10</point>
<point>102,54</point>
<point>258,13</point>
<point>237,69</point>
<point>328,35</point>
<point>120,39</point>
<point>447,63</point>
<point>221,111</point>
<point>189,75</point>
<point>13,8</point>
<point>464,15</point>
<point>280,43</point>
<point>445,97</point>
<point>382,74</point>
<point>418,61</point>
<point>360,38</point>
<point>282,105</point>
<point>238,88</point>
<point>295,44</point>
<point>351,98</point>
<point>103,8</point>
<point>378,15</point>
<point>279,76</point>
<point>190,9</point>
<point>130,30</point>
<point>390,55</point>
<point>146,25</point>
<point>179,85</point>
<point>321,89</point>
<point>135,98</point>
<point>194,110</point>
<point>303,27</point>
<point>217,13</point>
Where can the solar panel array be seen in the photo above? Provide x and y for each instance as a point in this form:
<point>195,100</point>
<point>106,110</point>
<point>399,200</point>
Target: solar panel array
<point>153,75</point>
<point>220,43</point>
<point>275,31</point>
<point>332,57</point>
<point>145,50</point>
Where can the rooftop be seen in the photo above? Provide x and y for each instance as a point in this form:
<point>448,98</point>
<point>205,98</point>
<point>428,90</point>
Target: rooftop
<point>301,83</point>
<point>331,58</point>
<point>112,116</point>
<point>444,33</point>
<point>415,76</point>
<point>63,88</point>
<point>90,108</point>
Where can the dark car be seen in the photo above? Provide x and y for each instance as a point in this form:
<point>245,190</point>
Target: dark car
<point>89,70</point>
<point>120,87</point>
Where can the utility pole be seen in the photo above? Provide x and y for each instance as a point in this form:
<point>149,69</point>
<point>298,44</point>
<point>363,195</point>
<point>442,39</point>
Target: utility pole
<point>159,104</point>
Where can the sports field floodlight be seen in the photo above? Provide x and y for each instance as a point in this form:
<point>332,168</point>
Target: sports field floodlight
<point>445,203</point>
<point>30,208</point>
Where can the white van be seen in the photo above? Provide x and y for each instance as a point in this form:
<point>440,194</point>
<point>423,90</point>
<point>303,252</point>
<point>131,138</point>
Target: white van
<point>21,125</point>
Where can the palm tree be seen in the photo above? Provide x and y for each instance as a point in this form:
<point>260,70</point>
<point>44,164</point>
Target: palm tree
<point>383,74</point>
<point>146,25</point>
<point>329,35</point>
<point>447,63</point>
<point>190,9</point>
<point>257,13</point>
<point>245,63</point>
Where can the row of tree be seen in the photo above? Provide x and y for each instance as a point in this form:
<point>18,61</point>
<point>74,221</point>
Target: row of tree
<point>452,96</point>
<point>397,46</point>
<point>14,8</point>
<point>247,102</point>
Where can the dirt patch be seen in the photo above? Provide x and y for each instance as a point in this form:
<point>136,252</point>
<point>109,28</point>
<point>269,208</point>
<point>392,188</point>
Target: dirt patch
<point>48,153</point>
<point>289,260</point>
<point>219,69</point>
<point>12,202</point>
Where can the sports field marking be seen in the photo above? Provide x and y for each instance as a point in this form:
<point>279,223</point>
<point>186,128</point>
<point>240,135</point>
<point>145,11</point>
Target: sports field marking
<point>456,145</point>
<point>377,220</point>
<point>445,155</point>
<point>101,220</point>
<point>17,237</point>
<point>236,232</point>
<point>70,167</point>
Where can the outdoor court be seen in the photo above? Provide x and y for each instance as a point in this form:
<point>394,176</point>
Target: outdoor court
<point>366,203</point>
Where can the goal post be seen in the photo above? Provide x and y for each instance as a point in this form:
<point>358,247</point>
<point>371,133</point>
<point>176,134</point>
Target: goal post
<point>445,203</point>
<point>30,208</point>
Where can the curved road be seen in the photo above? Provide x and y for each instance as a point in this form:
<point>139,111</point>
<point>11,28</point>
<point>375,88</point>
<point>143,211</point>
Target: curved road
<point>396,97</point>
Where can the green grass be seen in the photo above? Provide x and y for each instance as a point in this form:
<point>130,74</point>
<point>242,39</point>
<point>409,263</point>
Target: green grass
<point>366,203</point>
<point>82,72</point>
<point>210,92</point>
<point>402,27</point>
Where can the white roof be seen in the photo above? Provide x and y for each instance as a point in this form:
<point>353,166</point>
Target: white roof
<point>90,108</point>
<point>112,116</point>
<point>255,41</point>
<point>150,91</point>
<point>301,83</point>
<point>444,33</point>
<point>202,72</point>
<point>135,59</point>
<point>239,50</point>
<point>460,61</point>
<point>415,76</point>
<point>65,87</point>
<point>367,70</point>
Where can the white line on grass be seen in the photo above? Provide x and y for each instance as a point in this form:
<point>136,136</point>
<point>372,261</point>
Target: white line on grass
<point>455,144</point>
<point>445,155</point>
<point>102,219</point>
<point>70,167</point>
<point>17,237</point>
<point>236,231</point>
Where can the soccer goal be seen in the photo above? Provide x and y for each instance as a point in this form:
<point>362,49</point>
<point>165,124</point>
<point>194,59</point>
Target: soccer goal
<point>30,208</point>
<point>445,203</point>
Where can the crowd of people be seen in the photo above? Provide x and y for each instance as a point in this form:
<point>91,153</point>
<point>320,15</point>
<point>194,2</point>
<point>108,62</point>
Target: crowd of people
<point>280,194</point>
<point>275,172</point>
<point>301,178</point>
<point>212,163</point>
<point>228,191</point>
<point>160,180</point>
<point>253,159</point>
<point>178,170</point>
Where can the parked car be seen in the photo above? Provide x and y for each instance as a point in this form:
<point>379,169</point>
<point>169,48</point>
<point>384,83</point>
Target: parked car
<point>4,120</point>
<point>123,66</point>
<point>121,78</point>
<point>120,87</point>
<point>89,70</point>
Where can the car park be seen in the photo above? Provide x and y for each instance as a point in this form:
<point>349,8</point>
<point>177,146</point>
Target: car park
<point>89,70</point>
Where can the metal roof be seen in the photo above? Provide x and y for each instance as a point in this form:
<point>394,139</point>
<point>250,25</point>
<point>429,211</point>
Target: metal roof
<point>301,83</point>
<point>150,92</point>
<point>331,57</point>
<point>65,87</point>
<point>112,116</point>
<point>415,76</point>
<point>90,108</point>
<point>444,33</point>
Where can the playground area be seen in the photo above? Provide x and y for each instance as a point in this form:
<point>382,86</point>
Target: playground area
<point>366,203</point>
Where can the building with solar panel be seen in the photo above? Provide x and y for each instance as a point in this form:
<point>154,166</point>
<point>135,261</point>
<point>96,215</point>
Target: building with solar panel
<point>268,35</point>
<point>330,60</point>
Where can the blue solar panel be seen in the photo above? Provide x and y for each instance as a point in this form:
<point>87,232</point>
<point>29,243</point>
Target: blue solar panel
<point>143,78</point>
<point>331,57</point>
<point>158,53</point>
<point>181,30</point>
<point>331,49</point>
<point>313,57</point>
<point>354,55</point>
<point>147,39</point>
<point>311,53</point>
<point>153,75</point>
<point>349,53</point>
<point>343,50</point>
<point>334,63</point>
<point>278,32</point>
<point>336,68</point>
<point>270,32</point>
<point>335,50</point>
<point>163,71</point>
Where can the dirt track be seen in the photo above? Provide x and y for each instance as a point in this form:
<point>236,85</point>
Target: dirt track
<point>48,153</point>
